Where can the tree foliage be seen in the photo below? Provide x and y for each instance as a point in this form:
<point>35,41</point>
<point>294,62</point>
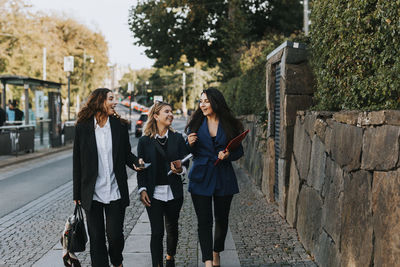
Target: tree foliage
<point>355,48</point>
<point>245,94</point>
<point>24,34</point>
<point>209,31</point>
<point>167,82</point>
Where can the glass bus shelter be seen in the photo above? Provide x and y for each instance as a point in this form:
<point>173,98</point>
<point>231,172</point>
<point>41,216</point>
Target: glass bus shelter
<point>41,131</point>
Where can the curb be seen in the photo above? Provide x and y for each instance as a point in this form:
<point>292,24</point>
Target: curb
<point>38,154</point>
<point>34,155</point>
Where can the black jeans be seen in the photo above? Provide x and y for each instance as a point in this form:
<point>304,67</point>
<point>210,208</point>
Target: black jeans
<point>115,214</point>
<point>203,208</point>
<point>157,212</point>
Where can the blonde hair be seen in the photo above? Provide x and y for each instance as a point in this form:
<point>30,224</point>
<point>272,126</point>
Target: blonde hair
<point>151,125</point>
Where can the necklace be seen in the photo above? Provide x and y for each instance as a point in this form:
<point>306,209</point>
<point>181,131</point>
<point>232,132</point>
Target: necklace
<point>162,143</point>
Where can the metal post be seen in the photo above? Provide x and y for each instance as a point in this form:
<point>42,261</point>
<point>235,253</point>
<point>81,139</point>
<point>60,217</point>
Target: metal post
<point>69,96</point>
<point>184,109</point>
<point>306,20</point>
<point>4,96</point>
<point>26,89</point>
<point>44,64</point>
<point>112,77</point>
<point>41,130</point>
<point>84,70</point>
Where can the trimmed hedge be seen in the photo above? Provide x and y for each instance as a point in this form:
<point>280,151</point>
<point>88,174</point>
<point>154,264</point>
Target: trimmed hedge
<point>246,94</point>
<point>356,54</point>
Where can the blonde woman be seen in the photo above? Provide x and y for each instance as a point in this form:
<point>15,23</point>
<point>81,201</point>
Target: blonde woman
<point>162,194</point>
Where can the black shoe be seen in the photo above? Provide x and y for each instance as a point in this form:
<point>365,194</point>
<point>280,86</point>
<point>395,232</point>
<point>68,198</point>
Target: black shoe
<point>170,263</point>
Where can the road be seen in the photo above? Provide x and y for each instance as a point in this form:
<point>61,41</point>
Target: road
<point>23,183</point>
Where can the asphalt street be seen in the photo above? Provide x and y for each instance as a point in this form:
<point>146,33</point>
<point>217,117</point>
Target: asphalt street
<point>25,182</point>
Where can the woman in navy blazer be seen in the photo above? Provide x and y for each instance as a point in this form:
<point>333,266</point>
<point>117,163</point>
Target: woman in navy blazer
<point>210,129</point>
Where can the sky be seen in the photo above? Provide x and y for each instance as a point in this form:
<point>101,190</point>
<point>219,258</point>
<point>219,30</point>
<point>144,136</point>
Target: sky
<point>110,17</point>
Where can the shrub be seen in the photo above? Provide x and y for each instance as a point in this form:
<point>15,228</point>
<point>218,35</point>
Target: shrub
<point>355,54</point>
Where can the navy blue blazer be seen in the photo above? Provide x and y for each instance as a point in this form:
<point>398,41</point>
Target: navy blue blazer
<point>206,179</point>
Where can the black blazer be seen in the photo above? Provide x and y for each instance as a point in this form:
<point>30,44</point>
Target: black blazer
<point>85,160</point>
<point>148,152</point>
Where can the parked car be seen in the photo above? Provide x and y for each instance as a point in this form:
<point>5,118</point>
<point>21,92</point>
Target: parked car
<point>139,124</point>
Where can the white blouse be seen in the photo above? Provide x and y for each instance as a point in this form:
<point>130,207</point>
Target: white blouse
<point>106,188</point>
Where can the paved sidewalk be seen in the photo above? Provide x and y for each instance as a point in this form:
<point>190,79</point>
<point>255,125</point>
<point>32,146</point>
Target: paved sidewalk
<point>258,236</point>
<point>262,236</point>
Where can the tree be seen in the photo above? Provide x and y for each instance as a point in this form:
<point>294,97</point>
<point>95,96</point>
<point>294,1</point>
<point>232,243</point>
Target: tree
<point>24,34</point>
<point>209,31</point>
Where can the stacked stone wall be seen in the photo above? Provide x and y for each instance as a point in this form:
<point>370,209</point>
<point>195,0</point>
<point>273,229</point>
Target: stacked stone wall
<point>344,185</point>
<point>344,191</point>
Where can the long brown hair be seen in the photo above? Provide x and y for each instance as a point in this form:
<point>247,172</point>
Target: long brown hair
<point>231,125</point>
<point>96,103</point>
<point>151,125</point>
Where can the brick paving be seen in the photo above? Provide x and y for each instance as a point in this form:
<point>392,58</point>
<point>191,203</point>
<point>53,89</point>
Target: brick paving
<point>132,214</point>
<point>187,253</point>
<point>262,237</point>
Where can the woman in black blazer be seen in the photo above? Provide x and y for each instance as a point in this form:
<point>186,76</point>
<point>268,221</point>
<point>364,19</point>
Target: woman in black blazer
<point>162,194</point>
<point>101,151</point>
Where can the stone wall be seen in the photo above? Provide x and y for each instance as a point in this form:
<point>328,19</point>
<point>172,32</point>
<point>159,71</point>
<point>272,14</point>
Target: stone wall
<point>344,187</point>
<point>255,153</point>
<point>287,72</point>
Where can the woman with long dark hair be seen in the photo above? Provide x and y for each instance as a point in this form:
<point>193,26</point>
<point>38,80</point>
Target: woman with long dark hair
<point>101,151</point>
<point>210,129</point>
<point>162,194</point>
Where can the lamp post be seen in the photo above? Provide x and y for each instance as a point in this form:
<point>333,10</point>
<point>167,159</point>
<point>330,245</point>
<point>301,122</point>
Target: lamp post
<point>305,18</point>
<point>147,87</point>
<point>130,90</point>
<point>184,108</point>
<point>85,57</point>
<point>69,67</point>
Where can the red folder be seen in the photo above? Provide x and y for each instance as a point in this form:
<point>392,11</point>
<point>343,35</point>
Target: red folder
<point>234,143</point>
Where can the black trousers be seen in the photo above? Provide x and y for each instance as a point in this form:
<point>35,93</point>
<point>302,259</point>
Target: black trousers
<point>158,211</point>
<point>114,218</point>
<point>203,208</point>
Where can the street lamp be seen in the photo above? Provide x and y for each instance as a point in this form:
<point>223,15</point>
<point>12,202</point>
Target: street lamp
<point>69,67</point>
<point>184,108</point>
<point>84,72</point>
<point>130,91</point>
<point>147,87</point>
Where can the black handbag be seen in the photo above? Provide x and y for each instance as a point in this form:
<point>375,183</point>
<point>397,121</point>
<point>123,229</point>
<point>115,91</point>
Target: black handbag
<point>77,235</point>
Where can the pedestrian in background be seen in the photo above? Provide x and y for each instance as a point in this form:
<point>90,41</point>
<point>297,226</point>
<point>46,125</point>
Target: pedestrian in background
<point>3,116</point>
<point>10,112</point>
<point>101,151</point>
<point>162,194</point>
<point>19,114</point>
<point>210,129</point>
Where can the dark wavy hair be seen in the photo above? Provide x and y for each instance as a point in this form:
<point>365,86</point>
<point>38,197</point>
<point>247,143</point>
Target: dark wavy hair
<point>96,103</point>
<point>229,123</point>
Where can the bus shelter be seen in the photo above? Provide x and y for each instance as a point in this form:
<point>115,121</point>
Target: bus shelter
<point>22,136</point>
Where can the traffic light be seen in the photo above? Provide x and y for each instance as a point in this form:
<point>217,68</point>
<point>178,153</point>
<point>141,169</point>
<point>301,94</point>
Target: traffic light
<point>129,97</point>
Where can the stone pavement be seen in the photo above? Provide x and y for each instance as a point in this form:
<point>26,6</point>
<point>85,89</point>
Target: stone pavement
<point>258,236</point>
<point>262,236</point>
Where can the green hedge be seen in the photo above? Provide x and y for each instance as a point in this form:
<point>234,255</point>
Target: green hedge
<point>356,54</point>
<point>246,94</point>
